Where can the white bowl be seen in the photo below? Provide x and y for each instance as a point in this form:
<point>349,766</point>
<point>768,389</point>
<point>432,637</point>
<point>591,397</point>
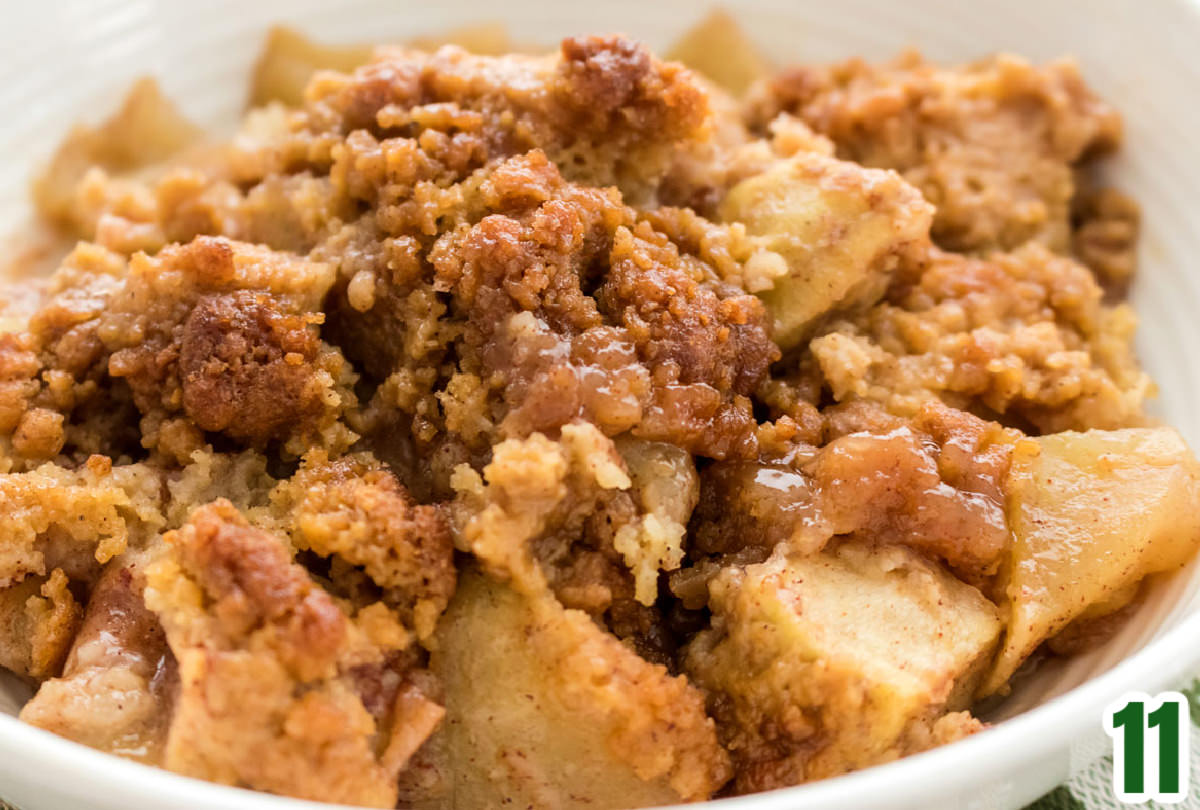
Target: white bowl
<point>71,59</point>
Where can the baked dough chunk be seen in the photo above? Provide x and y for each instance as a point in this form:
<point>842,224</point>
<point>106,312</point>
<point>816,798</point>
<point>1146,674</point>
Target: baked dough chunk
<point>594,521</point>
<point>1092,514</point>
<point>55,394</point>
<point>664,347</point>
<point>823,664</point>
<point>545,709</point>
<point>282,688</point>
<point>68,535</point>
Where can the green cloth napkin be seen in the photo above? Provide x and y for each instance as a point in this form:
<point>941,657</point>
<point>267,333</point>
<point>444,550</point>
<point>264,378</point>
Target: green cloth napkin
<point>1091,788</point>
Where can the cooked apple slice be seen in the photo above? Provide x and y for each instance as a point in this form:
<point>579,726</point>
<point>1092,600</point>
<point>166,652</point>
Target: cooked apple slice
<point>289,59</point>
<point>840,227</point>
<point>823,664</point>
<point>545,709</point>
<point>1091,514</point>
<point>719,49</point>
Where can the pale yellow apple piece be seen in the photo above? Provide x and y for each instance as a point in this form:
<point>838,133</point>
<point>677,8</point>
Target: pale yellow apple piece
<point>545,709</point>
<point>826,663</point>
<point>289,59</point>
<point>719,49</point>
<point>841,228</point>
<point>1091,514</point>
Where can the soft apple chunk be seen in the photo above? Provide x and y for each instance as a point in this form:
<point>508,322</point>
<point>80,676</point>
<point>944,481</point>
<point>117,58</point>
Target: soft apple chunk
<point>545,709</point>
<point>719,49</point>
<point>841,228</point>
<point>823,664</point>
<point>1091,514</point>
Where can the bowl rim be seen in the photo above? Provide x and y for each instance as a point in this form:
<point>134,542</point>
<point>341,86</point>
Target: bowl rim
<point>32,756</point>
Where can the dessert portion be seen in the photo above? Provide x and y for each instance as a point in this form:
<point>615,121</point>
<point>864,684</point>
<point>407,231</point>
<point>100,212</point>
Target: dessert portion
<point>479,426</point>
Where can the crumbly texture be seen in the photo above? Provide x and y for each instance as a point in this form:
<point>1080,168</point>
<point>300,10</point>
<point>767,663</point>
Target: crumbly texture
<point>219,337</point>
<point>559,430</point>
<point>994,146</point>
<point>1026,337</point>
<point>268,693</point>
<point>354,512</point>
<point>41,617</point>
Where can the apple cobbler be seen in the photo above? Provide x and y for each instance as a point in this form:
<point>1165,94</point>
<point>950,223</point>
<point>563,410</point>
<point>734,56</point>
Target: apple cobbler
<point>477,427</point>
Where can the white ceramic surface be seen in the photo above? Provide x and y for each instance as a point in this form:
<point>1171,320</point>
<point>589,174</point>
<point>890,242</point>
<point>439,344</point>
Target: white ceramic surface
<point>65,60</point>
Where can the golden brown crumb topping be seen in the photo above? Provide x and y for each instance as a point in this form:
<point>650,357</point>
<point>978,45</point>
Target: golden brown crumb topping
<point>354,511</point>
